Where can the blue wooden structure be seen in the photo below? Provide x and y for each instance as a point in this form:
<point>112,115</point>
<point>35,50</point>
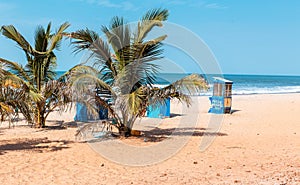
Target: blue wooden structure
<point>221,100</point>
<point>83,115</point>
<point>106,96</point>
<point>159,110</point>
<point>103,112</point>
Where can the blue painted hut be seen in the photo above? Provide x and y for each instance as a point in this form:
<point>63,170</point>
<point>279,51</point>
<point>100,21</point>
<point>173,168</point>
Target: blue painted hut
<point>82,112</point>
<point>159,110</point>
<point>221,100</point>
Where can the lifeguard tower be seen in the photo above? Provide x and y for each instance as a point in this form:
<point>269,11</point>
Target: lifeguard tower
<point>222,96</point>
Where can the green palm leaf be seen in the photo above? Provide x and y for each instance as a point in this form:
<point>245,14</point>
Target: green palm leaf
<point>151,19</point>
<point>36,84</point>
<point>127,71</point>
<point>11,33</point>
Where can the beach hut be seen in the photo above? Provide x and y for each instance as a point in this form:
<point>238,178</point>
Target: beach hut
<point>222,96</point>
<point>106,96</point>
<point>159,110</point>
<point>81,113</point>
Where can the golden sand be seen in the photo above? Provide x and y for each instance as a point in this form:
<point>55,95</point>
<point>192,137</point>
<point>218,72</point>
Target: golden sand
<point>258,144</point>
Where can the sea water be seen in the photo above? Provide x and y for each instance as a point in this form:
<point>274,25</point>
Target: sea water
<point>264,84</point>
<point>246,84</point>
<point>242,84</point>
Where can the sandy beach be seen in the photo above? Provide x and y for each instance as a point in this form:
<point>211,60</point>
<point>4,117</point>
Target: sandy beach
<point>259,143</point>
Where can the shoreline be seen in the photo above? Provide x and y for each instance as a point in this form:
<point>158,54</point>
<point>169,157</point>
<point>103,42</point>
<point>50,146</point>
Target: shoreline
<point>256,94</point>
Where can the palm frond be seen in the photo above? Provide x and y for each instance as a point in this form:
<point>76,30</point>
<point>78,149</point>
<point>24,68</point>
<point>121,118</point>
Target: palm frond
<point>11,32</point>
<point>156,14</point>
<point>49,67</point>
<point>83,39</point>
<point>41,39</point>
<point>15,68</point>
<point>118,36</point>
<point>181,89</point>
<point>85,79</point>
<point>64,77</point>
<point>57,37</point>
<point>86,82</point>
<point>14,98</point>
<point>58,95</point>
<point>11,80</point>
<point>142,70</point>
<point>151,19</point>
<point>89,40</point>
<point>191,84</point>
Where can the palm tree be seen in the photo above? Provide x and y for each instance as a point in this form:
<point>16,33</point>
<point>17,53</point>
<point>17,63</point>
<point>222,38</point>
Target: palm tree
<point>13,99</point>
<point>125,68</point>
<point>36,80</point>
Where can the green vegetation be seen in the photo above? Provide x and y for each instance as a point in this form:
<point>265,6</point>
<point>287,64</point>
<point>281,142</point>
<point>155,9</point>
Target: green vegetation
<point>33,89</point>
<point>122,65</point>
<point>125,68</point>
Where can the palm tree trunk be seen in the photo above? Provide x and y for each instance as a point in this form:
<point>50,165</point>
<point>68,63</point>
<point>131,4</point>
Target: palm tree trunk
<point>43,120</point>
<point>124,130</point>
<point>40,115</point>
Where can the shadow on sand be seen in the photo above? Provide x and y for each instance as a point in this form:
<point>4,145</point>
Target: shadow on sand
<point>172,115</point>
<point>158,134</point>
<point>59,125</point>
<point>33,145</point>
<point>234,111</point>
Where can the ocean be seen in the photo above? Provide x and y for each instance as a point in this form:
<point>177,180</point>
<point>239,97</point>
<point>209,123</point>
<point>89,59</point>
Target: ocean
<point>248,84</point>
<point>243,84</point>
<point>264,84</point>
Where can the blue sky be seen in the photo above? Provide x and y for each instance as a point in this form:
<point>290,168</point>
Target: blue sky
<point>246,37</point>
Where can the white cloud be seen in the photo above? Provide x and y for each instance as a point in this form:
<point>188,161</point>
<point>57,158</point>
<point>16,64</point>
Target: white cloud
<point>215,6</point>
<point>108,4</point>
<point>129,6</point>
<point>125,5</point>
<point>194,3</point>
<point>177,2</point>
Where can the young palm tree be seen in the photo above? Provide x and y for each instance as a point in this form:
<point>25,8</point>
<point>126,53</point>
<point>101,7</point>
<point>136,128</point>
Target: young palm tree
<point>128,71</point>
<point>36,80</point>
